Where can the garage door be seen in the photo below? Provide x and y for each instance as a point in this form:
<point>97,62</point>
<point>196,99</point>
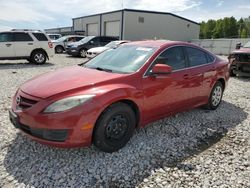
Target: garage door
<point>92,29</point>
<point>112,28</point>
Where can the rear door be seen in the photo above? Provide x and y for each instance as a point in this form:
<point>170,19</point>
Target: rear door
<point>95,42</point>
<point>24,44</point>
<point>201,72</point>
<point>7,45</point>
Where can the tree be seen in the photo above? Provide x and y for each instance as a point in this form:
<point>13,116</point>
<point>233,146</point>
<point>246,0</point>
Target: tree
<point>209,27</point>
<point>243,33</point>
<point>218,31</point>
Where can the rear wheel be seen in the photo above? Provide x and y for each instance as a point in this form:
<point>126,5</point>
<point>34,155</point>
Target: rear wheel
<point>59,49</point>
<point>38,57</point>
<point>114,127</point>
<point>215,96</point>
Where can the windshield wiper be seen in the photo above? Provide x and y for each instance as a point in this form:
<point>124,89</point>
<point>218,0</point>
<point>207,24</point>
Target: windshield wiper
<point>100,69</point>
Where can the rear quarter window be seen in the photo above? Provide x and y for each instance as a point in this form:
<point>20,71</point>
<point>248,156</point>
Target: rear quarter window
<point>196,57</point>
<point>40,36</point>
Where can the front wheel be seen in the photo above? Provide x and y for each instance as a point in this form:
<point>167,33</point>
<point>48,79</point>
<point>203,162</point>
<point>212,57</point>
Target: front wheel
<point>215,96</point>
<point>83,53</point>
<point>38,57</point>
<point>114,127</point>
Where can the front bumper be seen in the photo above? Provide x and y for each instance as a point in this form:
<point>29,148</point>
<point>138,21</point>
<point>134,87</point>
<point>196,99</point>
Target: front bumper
<point>73,52</point>
<point>241,68</point>
<point>66,129</point>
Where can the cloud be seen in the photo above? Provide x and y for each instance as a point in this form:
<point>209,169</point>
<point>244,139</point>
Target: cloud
<point>14,11</point>
<point>5,28</point>
<point>220,3</point>
<point>167,6</point>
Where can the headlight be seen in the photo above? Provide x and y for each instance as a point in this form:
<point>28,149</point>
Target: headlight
<point>67,103</point>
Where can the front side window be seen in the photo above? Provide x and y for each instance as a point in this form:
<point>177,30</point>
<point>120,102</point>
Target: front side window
<point>21,37</point>
<point>6,37</point>
<point>174,57</point>
<point>125,59</point>
<point>196,57</point>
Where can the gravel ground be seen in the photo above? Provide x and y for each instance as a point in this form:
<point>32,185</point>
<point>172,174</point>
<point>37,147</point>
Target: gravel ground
<point>197,148</point>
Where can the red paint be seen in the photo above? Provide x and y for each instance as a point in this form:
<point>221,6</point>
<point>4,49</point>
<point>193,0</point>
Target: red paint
<point>155,96</point>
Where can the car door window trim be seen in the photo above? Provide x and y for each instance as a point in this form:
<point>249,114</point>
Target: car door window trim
<point>145,75</point>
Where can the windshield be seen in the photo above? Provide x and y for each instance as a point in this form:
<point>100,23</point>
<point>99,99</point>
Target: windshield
<point>125,59</point>
<point>86,39</point>
<point>113,44</point>
<point>247,45</point>
<point>61,39</point>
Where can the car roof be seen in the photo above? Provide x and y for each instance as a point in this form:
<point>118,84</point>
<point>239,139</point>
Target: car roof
<point>160,43</point>
<point>155,43</point>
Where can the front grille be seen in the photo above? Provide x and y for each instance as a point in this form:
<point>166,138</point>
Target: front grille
<point>24,103</point>
<point>46,134</point>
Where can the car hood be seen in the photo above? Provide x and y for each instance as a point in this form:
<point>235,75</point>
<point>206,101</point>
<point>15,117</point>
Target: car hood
<point>242,50</point>
<point>98,49</point>
<point>66,79</point>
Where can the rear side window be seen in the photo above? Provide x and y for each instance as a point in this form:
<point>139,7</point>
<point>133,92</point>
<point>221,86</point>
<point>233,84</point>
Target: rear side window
<point>19,37</point>
<point>6,37</point>
<point>196,57</point>
<point>40,36</point>
<point>174,58</point>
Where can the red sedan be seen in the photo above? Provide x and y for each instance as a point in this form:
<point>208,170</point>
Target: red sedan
<point>104,100</point>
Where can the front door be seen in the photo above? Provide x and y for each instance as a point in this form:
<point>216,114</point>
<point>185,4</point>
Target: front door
<point>7,45</point>
<point>165,94</point>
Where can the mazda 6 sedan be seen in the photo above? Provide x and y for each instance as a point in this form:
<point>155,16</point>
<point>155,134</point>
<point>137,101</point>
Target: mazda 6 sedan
<point>105,100</point>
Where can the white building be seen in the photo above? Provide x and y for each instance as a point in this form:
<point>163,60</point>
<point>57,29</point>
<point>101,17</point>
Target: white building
<point>131,24</point>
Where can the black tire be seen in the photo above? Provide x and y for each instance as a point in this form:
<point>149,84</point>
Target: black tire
<point>82,53</point>
<point>59,49</point>
<point>231,72</point>
<point>38,57</point>
<point>215,96</point>
<point>114,127</point>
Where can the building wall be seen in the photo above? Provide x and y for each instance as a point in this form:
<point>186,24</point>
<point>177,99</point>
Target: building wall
<point>116,16</point>
<point>77,24</point>
<point>160,26</point>
<point>60,30</point>
<point>80,24</point>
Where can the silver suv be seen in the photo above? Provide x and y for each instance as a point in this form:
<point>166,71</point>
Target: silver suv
<point>61,43</point>
<point>33,45</point>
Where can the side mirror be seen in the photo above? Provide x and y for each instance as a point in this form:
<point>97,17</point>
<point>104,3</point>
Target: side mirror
<point>238,46</point>
<point>91,42</point>
<point>159,69</point>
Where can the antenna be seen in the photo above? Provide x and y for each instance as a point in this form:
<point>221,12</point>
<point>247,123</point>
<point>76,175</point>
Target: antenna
<point>122,4</point>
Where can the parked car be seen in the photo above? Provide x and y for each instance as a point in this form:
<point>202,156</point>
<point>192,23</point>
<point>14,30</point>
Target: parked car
<point>95,51</point>
<point>104,100</point>
<point>81,48</point>
<point>61,43</point>
<point>54,37</point>
<point>33,45</point>
<point>240,61</point>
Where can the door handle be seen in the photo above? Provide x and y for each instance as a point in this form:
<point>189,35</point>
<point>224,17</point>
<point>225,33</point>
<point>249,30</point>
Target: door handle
<point>186,76</point>
<point>8,45</point>
<point>30,43</point>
